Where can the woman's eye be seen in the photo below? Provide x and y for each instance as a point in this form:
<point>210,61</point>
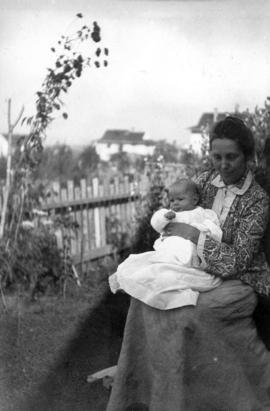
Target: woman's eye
<point>216,157</point>
<point>232,157</point>
<point>229,157</point>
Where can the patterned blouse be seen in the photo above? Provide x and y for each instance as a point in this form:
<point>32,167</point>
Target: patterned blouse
<point>243,210</point>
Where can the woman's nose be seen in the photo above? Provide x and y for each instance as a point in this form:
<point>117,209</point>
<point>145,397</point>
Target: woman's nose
<point>224,165</point>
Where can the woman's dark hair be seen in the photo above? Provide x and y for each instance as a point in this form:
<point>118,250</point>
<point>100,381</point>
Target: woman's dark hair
<point>234,129</point>
<point>266,151</point>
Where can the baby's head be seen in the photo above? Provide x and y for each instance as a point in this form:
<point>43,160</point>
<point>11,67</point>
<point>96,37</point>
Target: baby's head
<point>183,195</point>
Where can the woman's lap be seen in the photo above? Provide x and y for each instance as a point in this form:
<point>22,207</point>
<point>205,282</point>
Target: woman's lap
<point>232,305</point>
<point>193,358</point>
<point>231,298</point>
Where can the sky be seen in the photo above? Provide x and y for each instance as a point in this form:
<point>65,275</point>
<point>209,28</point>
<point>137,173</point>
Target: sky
<point>169,62</point>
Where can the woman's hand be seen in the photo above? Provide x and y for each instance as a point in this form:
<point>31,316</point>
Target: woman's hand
<point>182,230</point>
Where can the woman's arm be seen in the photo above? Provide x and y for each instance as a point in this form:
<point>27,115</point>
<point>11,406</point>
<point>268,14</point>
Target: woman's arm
<point>182,230</point>
<point>232,260</point>
<point>266,243</point>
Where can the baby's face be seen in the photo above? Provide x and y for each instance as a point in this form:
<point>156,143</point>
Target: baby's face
<point>182,198</point>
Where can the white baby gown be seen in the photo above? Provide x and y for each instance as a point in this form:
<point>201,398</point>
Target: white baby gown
<point>170,276</point>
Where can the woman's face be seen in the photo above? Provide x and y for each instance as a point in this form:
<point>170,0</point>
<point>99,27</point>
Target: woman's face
<point>228,159</point>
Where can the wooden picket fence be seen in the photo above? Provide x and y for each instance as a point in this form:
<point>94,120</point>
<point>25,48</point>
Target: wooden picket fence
<point>99,208</point>
<point>96,207</point>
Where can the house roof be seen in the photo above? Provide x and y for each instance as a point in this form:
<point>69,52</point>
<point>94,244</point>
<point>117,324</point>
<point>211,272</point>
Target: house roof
<point>207,120</point>
<point>118,136</point>
<point>16,138</point>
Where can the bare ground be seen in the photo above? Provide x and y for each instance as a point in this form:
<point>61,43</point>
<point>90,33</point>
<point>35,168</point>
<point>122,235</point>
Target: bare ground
<point>48,348</point>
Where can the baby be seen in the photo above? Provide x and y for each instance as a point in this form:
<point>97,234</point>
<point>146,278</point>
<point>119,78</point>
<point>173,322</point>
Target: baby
<point>184,196</point>
<point>170,276</point>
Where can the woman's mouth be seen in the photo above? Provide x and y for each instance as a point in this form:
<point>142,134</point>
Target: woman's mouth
<point>225,174</point>
<point>227,177</point>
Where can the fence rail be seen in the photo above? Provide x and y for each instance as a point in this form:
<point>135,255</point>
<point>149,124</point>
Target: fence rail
<point>101,210</point>
<point>97,208</point>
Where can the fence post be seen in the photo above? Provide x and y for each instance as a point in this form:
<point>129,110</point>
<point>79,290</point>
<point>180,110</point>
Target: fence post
<point>95,184</point>
<point>91,203</point>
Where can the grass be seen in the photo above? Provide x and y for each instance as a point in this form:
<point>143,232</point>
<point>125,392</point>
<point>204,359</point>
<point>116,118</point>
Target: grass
<point>35,336</point>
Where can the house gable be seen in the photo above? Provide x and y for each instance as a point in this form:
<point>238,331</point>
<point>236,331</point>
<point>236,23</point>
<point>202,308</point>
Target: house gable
<point>118,140</point>
<point>206,121</point>
<point>122,137</point>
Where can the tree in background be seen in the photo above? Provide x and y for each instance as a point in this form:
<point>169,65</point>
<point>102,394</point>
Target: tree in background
<point>191,160</point>
<point>139,164</point>
<point>88,161</point>
<point>259,122</point>
<point>121,161</point>
<point>57,163</point>
<point>169,151</point>
<point>61,163</point>
<point>145,235</point>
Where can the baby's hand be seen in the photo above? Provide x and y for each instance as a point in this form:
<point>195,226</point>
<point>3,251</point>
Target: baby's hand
<point>170,215</point>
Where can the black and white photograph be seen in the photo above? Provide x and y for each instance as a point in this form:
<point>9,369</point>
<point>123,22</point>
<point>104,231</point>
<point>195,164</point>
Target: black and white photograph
<point>134,205</point>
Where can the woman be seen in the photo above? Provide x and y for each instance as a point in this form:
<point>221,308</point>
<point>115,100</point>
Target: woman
<point>208,357</point>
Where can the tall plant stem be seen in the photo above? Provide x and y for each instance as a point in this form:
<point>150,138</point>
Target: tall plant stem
<point>8,174</point>
<point>20,217</point>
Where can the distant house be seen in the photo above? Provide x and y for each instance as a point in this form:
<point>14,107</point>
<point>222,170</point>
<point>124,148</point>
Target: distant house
<point>16,138</point>
<point>130,142</point>
<point>205,123</point>
<point>3,146</point>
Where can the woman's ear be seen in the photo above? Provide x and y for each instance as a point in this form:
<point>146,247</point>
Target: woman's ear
<point>251,163</point>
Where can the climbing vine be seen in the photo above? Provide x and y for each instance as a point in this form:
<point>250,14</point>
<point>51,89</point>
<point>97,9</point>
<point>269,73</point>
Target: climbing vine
<point>20,194</point>
<point>69,65</point>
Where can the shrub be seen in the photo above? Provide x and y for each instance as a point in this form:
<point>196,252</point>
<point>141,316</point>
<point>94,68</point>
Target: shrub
<point>34,262</point>
<point>145,235</point>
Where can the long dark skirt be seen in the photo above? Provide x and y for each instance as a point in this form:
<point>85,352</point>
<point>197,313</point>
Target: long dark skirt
<point>202,358</point>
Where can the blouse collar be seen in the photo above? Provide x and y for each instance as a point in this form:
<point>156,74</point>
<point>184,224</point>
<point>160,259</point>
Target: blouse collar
<point>239,188</point>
